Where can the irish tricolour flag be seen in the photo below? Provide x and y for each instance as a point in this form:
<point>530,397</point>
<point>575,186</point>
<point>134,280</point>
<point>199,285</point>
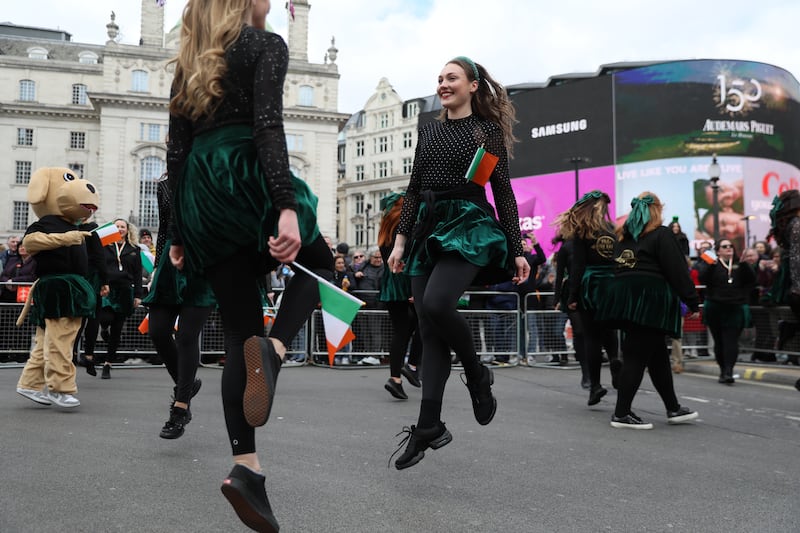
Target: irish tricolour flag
<point>338,311</point>
<point>482,166</point>
<point>108,233</point>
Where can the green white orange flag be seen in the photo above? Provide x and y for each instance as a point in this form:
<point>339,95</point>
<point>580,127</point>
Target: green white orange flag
<point>108,233</point>
<point>339,308</point>
<point>147,261</point>
<point>482,166</point>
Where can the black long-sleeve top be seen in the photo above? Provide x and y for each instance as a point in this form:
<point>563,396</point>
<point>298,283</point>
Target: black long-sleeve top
<point>64,259</point>
<point>443,154</point>
<point>718,289</point>
<point>124,267</point>
<point>597,251</point>
<point>657,253</point>
<point>253,95</point>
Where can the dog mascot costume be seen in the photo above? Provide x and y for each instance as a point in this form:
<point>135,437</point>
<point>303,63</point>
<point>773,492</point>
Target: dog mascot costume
<point>62,296</point>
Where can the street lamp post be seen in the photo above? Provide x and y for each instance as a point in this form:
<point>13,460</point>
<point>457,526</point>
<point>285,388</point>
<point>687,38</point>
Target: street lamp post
<point>577,160</point>
<point>747,219</point>
<point>367,226</point>
<point>714,173</point>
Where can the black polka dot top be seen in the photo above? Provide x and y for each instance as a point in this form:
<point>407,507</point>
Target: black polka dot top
<point>444,152</point>
<point>257,63</point>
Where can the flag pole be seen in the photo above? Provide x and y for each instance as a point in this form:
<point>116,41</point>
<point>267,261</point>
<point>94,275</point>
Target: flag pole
<point>320,278</point>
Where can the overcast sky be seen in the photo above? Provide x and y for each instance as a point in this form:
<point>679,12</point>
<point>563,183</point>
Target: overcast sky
<point>408,41</point>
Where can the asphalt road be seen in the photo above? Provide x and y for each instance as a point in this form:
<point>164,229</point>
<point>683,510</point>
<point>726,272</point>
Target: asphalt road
<point>547,463</point>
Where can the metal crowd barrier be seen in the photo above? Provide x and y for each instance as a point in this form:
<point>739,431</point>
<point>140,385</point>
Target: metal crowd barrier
<point>529,334</point>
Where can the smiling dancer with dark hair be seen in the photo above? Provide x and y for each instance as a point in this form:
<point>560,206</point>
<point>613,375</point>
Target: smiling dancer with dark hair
<point>454,239</point>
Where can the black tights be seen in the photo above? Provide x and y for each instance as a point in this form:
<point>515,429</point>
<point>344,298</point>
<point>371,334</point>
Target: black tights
<point>403,320</point>
<point>644,348</point>
<point>105,316</point>
<point>236,287</point>
<point>442,327</point>
<point>726,345</point>
<point>181,351</point>
<point>595,337</point>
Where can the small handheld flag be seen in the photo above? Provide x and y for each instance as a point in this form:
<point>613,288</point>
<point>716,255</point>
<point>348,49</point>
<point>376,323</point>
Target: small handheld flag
<point>144,326</point>
<point>709,256</point>
<point>148,261</point>
<point>482,166</point>
<point>339,308</point>
<point>108,233</point>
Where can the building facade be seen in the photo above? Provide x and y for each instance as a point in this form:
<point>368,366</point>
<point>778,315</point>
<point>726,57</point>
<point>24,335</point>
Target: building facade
<point>375,157</point>
<point>102,111</point>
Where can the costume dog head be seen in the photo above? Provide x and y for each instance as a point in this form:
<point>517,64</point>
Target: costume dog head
<point>59,191</point>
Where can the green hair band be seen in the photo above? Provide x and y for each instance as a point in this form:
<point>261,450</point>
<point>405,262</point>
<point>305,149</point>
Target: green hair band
<point>472,64</point>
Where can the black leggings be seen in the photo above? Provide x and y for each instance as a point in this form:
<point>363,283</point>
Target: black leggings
<point>107,317</point>
<point>442,327</point>
<point>181,351</point>
<point>644,348</point>
<point>595,337</point>
<point>236,287</point>
<point>726,345</point>
<point>403,320</point>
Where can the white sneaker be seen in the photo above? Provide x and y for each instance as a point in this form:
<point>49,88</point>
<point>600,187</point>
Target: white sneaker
<point>369,360</point>
<point>37,396</point>
<point>531,360</point>
<point>62,399</point>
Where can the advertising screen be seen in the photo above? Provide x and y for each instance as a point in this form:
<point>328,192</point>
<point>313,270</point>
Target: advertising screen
<point>559,123</point>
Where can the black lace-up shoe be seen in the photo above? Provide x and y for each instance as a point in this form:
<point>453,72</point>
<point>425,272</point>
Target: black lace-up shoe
<point>630,421</point>
<point>88,364</point>
<point>683,414</point>
<point>411,374</point>
<point>245,491</point>
<point>419,440</point>
<point>596,394</point>
<point>484,404</point>
<point>262,364</point>
<point>174,427</point>
<point>396,389</point>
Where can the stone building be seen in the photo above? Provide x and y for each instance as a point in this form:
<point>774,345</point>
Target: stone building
<point>101,109</point>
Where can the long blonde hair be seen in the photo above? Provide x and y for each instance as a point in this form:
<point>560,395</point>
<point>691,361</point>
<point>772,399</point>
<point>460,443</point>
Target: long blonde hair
<point>208,28</point>
<point>587,219</point>
<point>490,102</point>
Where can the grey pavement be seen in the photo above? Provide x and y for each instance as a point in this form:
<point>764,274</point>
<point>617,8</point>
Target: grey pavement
<point>547,463</point>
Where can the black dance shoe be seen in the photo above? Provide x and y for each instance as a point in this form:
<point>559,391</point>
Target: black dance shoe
<point>106,373</point>
<point>484,404</point>
<point>596,394</point>
<point>174,427</point>
<point>396,389</point>
<point>88,364</point>
<point>245,491</point>
<point>411,374</point>
<point>419,440</point>
<point>263,365</point>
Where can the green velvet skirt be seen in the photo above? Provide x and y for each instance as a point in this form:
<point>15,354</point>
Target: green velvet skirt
<point>394,287</point>
<point>173,287</point>
<point>593,285</point>
<point>60,296</point>
<point>467,230</point>
<point>643,300</point>
<point>222,203</point>
<point>119,299</point>
<point>729,315</point>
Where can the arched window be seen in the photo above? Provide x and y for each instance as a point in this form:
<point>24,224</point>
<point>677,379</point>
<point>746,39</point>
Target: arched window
<point>79,94</point>
<point>27,90</point>
<point>305,96</point>
<point>150,171</point>
<point>139,81</point>
<point>87,58</point>
<point>37,52</point>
